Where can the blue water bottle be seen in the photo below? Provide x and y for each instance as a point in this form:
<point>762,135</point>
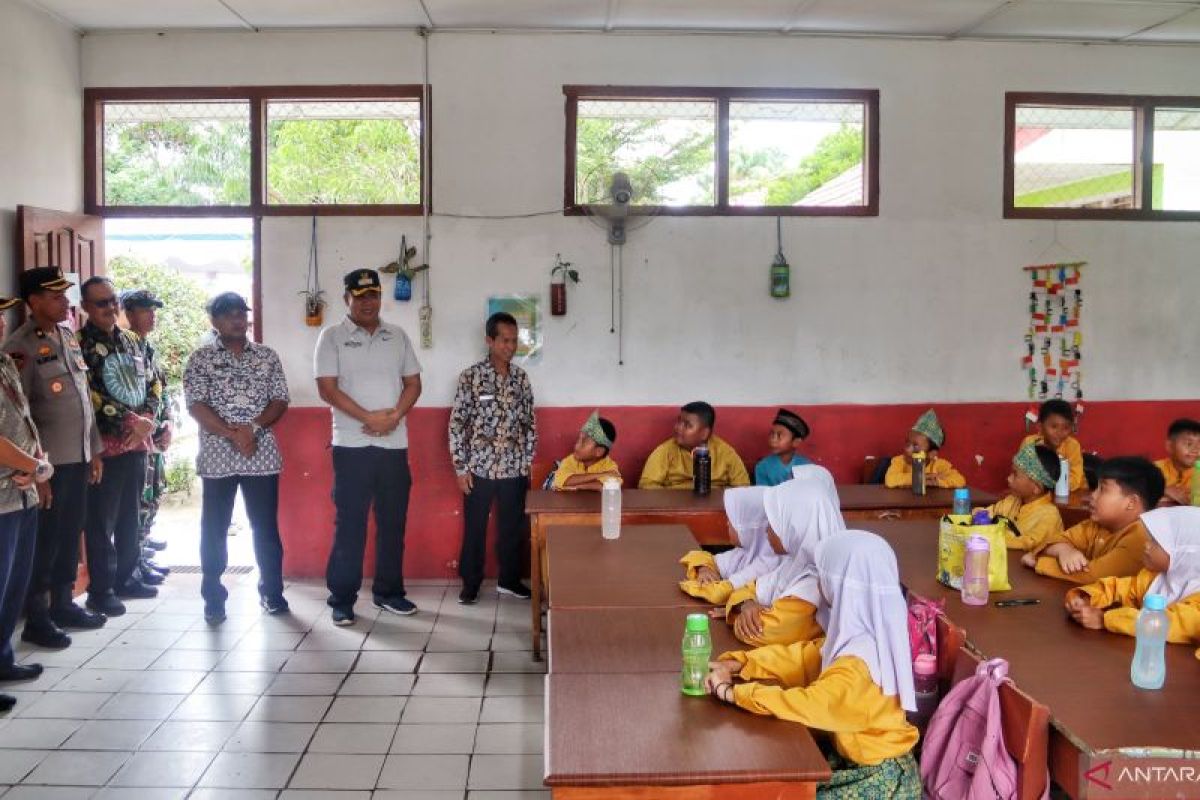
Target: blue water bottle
<point>962,502</point>
<point>1149,667</point>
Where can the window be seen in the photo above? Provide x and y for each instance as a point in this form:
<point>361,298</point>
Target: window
<point>251,151</point>
<point>1101,157</point>
<point>725,151</point>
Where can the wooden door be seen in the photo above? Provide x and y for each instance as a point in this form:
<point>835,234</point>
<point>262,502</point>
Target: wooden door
<point>72,242</point>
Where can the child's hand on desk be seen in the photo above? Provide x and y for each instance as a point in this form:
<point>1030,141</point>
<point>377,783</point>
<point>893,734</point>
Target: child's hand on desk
<point>1083,612</point>
<point>1029,560</point>
<point>1072,561</point>
<point>717,613</point>
<point>748,624</point>
<point>707,575</point>
<point>719,682</point>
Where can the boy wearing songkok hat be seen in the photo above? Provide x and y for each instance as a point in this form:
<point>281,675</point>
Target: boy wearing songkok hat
<point>589,464</point>
<point>787,431</point>
<point>925,437</point>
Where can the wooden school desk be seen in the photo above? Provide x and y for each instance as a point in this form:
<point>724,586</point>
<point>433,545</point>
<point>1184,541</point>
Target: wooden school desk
<point>874,501</point>
<point>1076,508</point>
<point>1082,675</point>
<point>582,639</point>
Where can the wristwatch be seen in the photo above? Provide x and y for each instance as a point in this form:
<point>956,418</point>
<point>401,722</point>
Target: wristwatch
<point>43,471</point>
<point>254,426</point>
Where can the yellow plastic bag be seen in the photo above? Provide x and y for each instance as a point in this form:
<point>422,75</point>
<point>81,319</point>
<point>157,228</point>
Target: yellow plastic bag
<point>952,546</point>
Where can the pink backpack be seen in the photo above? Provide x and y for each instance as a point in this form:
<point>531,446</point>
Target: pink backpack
<point>922,625</point>
<point>963,755</point>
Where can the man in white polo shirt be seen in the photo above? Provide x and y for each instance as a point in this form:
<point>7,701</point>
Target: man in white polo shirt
<point>368,372</point>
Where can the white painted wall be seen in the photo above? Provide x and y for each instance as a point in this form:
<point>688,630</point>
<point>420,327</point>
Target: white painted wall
<point>925,302</point>
<point>41,135</point>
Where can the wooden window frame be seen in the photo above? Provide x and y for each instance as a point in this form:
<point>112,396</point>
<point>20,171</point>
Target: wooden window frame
<point>722,96</point>
<point>258,98</point>
<point>1143,107</point>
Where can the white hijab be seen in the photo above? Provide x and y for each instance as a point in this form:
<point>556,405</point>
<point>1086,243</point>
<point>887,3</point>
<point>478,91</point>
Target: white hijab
<point>753,556</point>
<point>867,616</point>
<point>802,512</point>
<point>1177,530</point>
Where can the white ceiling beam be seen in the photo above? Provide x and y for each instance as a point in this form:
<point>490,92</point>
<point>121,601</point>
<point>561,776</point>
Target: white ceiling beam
<point>798,10</point>
<point>249,25</point>
<point>428,16</point>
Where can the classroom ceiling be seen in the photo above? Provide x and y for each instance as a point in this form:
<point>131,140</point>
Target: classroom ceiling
<point>1175,21</point>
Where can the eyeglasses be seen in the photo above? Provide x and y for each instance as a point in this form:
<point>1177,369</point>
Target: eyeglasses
<point>107,302</point>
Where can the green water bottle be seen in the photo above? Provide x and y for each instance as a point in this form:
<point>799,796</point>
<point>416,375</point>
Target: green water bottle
<point>781,273</point>
<point>697,651</point>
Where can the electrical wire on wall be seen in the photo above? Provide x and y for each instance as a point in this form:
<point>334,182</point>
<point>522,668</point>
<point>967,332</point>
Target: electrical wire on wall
<point>426,312</point>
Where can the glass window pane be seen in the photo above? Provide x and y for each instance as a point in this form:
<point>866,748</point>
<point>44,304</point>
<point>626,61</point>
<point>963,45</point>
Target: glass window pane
<point>1074,157</point>
<point>348,152</point>
<point>784,153</point>
<point>177,154</point>
<point>1177,159</point>
<point>667,147</point>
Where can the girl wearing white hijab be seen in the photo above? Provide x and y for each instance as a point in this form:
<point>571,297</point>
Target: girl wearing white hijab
<point>780,606</point>
<point>855,684</point>
<point>1172,569</point>
<point>713,578</point>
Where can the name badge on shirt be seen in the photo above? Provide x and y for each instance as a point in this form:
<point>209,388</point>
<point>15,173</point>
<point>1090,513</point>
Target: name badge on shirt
<point>352,343</point>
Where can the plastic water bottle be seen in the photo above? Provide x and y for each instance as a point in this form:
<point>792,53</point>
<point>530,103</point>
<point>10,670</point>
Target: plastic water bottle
<point>962,502</point>
<point>1149,668</point>
<point>925,686</point>
<point>701,471</point>
<point>697,651</point>
<point>975,571</point>
<point>1062,489</point>
<point>610,509</point>
<point>918,473</point>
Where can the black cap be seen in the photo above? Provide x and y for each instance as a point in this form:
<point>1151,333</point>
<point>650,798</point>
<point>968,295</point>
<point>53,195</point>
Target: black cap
<point>139,298</point>
<point>42,279</point>
<point>361,281</point>
<point>226,302</point>
<point>791,420</point>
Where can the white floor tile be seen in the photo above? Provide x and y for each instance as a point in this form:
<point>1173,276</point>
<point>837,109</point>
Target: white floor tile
<point>359,738</point>
<point>506,772</point>
<point>271,737</point>
<point>377,684</point>
<point>190,735</point>
<point>441,710</point>
<point>250,770</point>
<point>425,772</point>
<point>434,739</point>
<point>77,768</point>
<point>327,771</point>
<point>36,733</point>
<point>366,709</point>
<point>214,707</point>
<point>111,734</point>
<point>16,764</point>
<point>280,708</point>
<point>163,769</point>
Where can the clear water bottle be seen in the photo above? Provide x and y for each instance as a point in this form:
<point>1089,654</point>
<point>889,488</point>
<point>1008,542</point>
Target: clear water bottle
<point>701,471</point>
<point>697,651</point>
<point>1149,668</point>
<point>610,509</point>
<point>975,571</point>
<point>918,473</point>
<point>962,502</point>
<point>1062,489</point>
<point>925,686</point>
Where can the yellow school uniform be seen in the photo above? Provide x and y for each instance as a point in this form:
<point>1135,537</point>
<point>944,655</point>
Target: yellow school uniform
<point>899,474</point>
<point>787,620</point>
<point>1109,553</point>
<point>1035,520</point>
<point>1126,593</point>
<point>1174,476</point>
<point>715,593</point>
<point>867,726</point>
<point>670,466</point>
<point>570,466</point>
<point>1072,452</point>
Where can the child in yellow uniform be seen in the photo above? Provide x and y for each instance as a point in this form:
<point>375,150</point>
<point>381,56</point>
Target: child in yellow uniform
<point>714,577</point>
<point>780,606</point>
<point>1172,569</point>
<point>1029,506</point>
<point>670,465</point>
<point>1056,423</point>
<point>1111,542</point>
<point>589,463</point>
<point>1183,449</point>
<point>925,437</point>
<point>854,685</point>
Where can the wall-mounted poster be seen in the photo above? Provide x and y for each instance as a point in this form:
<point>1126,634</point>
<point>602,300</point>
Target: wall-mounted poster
<point>526,309</point>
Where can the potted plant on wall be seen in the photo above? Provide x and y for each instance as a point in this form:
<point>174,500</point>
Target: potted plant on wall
<point>560,273</point>
<point>314,298</point>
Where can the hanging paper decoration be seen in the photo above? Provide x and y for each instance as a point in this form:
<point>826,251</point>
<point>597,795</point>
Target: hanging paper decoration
<point>1054,340</point>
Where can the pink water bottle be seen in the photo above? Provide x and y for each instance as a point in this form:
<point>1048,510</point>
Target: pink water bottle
<point>925,686</point>
<point>975,571</point>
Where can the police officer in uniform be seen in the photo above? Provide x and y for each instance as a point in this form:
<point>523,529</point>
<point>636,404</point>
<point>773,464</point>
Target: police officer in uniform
<point>55,380</point>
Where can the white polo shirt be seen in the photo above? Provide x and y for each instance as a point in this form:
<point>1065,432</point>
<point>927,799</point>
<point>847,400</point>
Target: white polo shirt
<point>369,368</point>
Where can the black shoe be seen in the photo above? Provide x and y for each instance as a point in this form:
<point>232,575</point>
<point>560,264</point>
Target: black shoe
<point>21,672</point>
<point>150,565</point>
<point>342,617</point>
<point>148,577</point>
<point>156,544</point>
<point>136,590</point>
<point>214,614</point>
<point>72,616</point>
<point>7,701</point>
<point>45,634</point>
<point>107,604</point>
<point>469,596</point>
<point>274,605</point>
<point>517,590</point>
<point>396,605</point>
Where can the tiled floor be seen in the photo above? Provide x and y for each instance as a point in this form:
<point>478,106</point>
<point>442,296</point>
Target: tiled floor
<point>438,706</point>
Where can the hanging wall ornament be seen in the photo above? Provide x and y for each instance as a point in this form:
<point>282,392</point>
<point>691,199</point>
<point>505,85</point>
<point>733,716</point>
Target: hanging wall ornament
<point>314,298</point>
<point>1053,341</point>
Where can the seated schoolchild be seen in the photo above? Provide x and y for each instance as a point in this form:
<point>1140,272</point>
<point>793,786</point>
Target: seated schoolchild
<point>589,464</point>
<point>787,431</point>
<point>670,465</point>
<point>925,437</point>
<point>714,577</point>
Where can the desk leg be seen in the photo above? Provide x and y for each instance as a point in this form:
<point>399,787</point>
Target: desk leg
<point>535,583</point>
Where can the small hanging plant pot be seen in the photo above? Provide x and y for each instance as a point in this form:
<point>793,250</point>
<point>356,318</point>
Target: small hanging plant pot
<point>314,298</point>
<point>314,308</point>
<point>559,275</point>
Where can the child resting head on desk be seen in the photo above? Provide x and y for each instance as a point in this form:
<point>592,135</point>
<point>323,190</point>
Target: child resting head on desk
<point>780,606</point>
<point>855,684</point>
<point>589,463</point>
<point>670,464</point>
<point>1029,505</point>
<point>787,431</point>
<point>1112,541</point>
<point>1183,449</point>
<point>1171,562</point>
<point>1056,423</point>
<point>925,437</point>
<point>714,577</point>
